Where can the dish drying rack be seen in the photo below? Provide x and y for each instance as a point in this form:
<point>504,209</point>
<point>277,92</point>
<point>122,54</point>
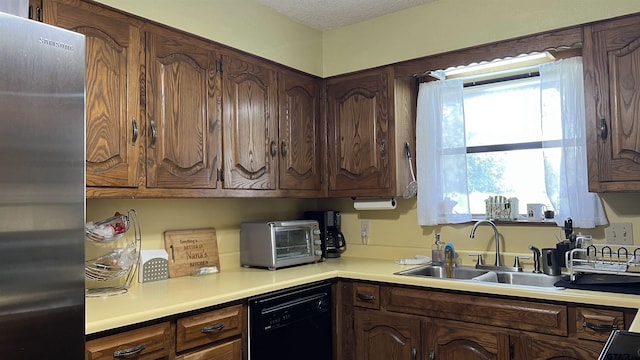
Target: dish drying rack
<point>604,259</point>
<point>112,270</point>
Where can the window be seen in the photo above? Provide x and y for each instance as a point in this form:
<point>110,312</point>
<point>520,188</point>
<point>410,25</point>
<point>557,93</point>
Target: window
<point>504,142</point>
<point>522,137</point>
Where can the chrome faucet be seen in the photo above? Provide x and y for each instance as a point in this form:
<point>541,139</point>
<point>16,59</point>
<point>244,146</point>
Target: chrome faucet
<point>498,262</point>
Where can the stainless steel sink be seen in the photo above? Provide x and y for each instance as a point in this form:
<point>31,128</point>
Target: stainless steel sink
<point>529,279</point>
<point>487,276</point>
<point>459,272</point>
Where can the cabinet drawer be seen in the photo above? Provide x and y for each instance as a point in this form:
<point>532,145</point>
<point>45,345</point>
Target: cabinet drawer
<point>208,327</point>
<point>366,295</point>
<point>597,324</point>
<point>515,314</point>
<point>151,342</point>
<point>231,350</point>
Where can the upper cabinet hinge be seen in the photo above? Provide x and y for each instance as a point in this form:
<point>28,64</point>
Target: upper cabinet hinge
<point>219,66</point>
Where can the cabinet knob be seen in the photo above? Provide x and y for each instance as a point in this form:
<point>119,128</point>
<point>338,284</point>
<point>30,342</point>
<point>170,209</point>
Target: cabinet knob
<point>383,149</point>
<point>283,149</point>
<point>604,130</point>
<point>274,148</point>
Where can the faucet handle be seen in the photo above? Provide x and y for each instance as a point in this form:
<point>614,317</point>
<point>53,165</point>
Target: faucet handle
<point>516,262</point>
<point>479,260</point>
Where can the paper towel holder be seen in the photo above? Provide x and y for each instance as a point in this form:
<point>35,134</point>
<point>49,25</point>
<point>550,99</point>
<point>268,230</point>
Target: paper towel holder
<point>374,203</point>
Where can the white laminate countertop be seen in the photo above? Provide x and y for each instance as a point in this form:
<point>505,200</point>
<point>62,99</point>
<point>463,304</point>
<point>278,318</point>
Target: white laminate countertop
<point>153,300</point>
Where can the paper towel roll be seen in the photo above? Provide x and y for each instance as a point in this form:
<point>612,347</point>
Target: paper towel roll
<point>377,204</point>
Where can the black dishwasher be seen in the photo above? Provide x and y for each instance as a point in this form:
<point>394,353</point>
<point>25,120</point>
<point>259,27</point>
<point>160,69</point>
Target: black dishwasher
<point>291,324</point>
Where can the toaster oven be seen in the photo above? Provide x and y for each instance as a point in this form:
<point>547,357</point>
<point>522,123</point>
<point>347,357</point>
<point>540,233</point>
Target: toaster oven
<point>277,244</point>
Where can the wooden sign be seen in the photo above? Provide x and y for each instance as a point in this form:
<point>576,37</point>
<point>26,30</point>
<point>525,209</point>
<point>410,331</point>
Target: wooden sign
<point>190,250</point>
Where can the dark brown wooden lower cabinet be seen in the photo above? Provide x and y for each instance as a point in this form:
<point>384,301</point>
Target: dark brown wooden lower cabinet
<point>542,347</point>
<point>454,340</point>
<point>423,323</point>
<point>385,336</point>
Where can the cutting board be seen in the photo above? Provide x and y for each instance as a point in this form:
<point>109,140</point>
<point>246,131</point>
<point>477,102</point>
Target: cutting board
<point>190,250</point>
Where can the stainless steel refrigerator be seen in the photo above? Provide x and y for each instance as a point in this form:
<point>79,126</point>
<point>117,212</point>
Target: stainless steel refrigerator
<point>42,193</point>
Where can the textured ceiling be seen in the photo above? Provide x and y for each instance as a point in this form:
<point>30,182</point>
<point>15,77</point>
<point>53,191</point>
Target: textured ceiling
<point>332,14</point>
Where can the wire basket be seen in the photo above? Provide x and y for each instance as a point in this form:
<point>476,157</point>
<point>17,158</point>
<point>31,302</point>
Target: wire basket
<point>114,259</point>
<point>108,230</point>
<point>112,265</point>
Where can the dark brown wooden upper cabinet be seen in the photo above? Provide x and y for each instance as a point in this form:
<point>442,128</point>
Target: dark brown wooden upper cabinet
<point>366,135</point>
<point>114,120</point>
<point>612,94</point>
<point>183,111</point>
<point>250,124</point>
<point>301,134</point>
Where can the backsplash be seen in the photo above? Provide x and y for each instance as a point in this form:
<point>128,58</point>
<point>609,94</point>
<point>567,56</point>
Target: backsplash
<point>393,234</point>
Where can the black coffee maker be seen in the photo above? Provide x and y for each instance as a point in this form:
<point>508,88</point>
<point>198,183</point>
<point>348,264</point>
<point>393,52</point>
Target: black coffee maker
<point>333,243</point>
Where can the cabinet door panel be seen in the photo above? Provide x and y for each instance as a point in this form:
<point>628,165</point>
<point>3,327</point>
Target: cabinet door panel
<point>612,95</point>
<point>386,336</point>
<point>184,97</point>
<point>541,347</point>
<point>113,72</point>
<point>250,125</point>
<point>231,350</point>
<point>300,134</point>
<point>451,340</point>
<point>359,148</point>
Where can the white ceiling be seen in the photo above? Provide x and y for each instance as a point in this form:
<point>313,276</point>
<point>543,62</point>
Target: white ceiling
<point>332,14</point>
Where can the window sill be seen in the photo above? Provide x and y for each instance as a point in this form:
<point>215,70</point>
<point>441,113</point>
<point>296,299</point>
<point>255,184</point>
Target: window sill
<point>550,222</point>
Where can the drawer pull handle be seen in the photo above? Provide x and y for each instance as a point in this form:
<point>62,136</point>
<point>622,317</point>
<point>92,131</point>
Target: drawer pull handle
<point>599,327</point>
<point>212,328</point>
<point>365,297</point>
<point>126,353</point>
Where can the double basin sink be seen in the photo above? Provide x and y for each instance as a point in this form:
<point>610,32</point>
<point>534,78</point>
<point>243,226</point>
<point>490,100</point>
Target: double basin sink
<point>487,276</point>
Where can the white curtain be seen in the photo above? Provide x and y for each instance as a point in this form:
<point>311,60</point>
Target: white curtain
<point>441,154</point>
<point>441,149</point>
<point>562,95</point>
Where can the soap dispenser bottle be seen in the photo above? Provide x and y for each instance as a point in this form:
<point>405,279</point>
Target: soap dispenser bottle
<point>437,252</point>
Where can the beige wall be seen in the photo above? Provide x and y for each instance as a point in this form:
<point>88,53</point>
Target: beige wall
<point>439,26</point>
<point>394,234</point>
<point>159,215</point>
<point>445,25</point>
<point>241,24</point>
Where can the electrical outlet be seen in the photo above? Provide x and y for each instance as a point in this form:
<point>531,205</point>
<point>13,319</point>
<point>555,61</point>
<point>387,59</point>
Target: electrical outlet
<point>364,231</point>
<point>619,234</point>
